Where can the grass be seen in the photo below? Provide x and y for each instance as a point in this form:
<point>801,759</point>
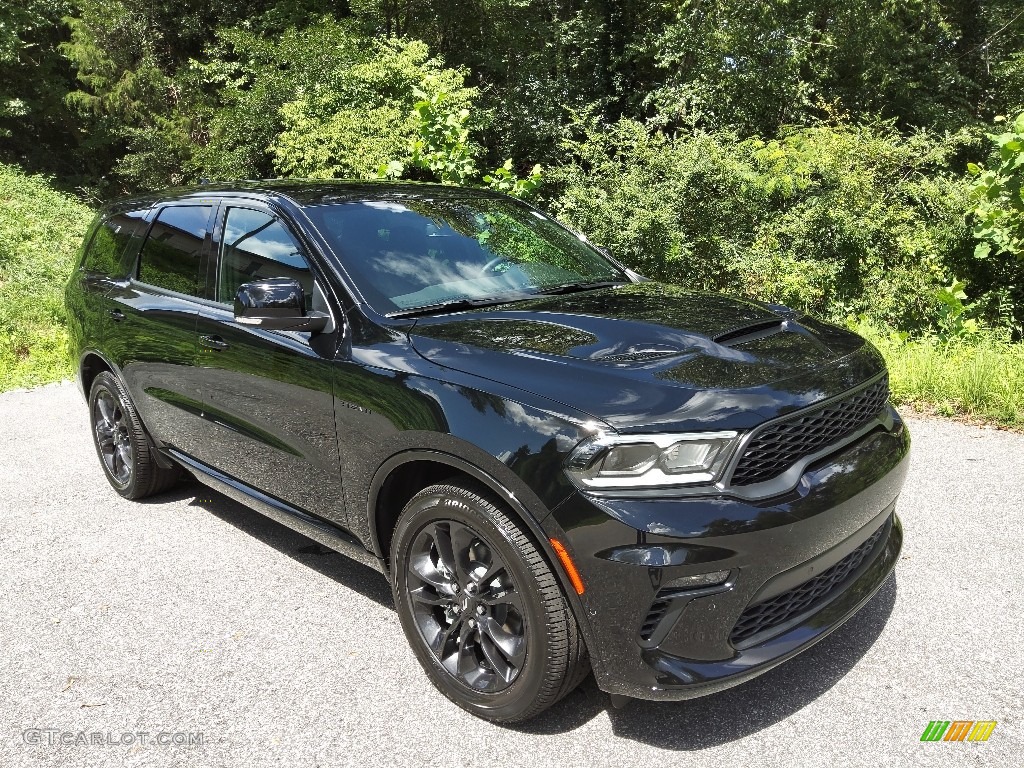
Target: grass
<point>40,232</point>
<point>981,379</point>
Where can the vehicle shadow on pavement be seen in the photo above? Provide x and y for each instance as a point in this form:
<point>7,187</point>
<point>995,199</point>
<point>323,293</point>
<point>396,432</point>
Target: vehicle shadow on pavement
<point>713,720</point>
<point>696,724</point>
<point>347,572</point>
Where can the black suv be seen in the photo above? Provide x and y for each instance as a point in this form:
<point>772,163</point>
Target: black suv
<point>559,465</point>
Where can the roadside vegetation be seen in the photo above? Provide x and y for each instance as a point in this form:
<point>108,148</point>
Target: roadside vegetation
<point>983,380</point>
<point>858,160</point>
<point>40,231</point>
<point>980,377</point>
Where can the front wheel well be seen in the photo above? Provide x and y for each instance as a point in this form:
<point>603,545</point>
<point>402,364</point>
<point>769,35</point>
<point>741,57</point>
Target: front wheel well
<point>92,365</point>
<point>401,484</point>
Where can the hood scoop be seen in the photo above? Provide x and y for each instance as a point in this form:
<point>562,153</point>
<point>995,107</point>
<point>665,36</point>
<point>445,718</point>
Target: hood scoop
<point>752,332</point>
<point>645,352</point>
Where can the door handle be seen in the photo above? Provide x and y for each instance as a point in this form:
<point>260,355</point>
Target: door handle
<point>116,314</point>
<point>215,343</point>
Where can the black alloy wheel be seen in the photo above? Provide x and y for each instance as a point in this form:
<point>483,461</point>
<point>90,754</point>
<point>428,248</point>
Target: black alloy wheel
<point>124,449</point>
<point>466,606</point>
<point>481,607</point>
<point>112,440</point>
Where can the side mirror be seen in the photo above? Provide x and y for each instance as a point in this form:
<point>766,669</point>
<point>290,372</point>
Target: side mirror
<point>276,304</point>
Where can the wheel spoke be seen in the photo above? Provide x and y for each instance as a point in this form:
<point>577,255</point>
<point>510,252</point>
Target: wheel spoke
<point>104,436</point>
<point>493,570</point>
<point>445,553</point>
<point>427,596</point>
<point>462,542</point>
<point>446,637</point>
<point>448,645</point>
<point>423,568</point>
<point>501,667</point>
<point>105,406</point>
<point>466,663</point>
<point>508,597</point>
<point>125,454</point>
<point>512,647</point>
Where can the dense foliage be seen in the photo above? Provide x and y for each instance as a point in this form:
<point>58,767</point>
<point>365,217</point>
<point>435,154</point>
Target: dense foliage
<point>835,220</point>
<point>857,159</point>
<point>40,232</point>
<point>999,196</point>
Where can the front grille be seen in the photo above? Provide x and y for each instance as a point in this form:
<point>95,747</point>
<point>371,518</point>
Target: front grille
<point>779,446</point>
<point>780,609</point>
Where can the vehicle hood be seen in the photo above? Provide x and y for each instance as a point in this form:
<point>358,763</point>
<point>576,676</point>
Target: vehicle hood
<point>649,356</point>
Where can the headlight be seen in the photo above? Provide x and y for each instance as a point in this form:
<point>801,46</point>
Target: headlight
<point>650,461</point>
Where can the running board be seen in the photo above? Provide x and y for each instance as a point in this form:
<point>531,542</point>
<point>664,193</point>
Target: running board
<point>330,536</point>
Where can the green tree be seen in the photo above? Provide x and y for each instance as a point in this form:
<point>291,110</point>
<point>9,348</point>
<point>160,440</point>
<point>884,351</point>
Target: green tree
<point>754,67</point>
<point>834,219</point>
<point>997,197</point>
<point>37,130</point>
<point>358,114</point>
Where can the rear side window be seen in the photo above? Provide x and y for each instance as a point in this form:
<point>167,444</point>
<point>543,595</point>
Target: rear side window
<point>257,245</point>
<point>171,254</point>
<point>108,244</point>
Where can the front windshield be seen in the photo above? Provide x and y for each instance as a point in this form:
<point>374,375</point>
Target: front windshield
<point>416,254</point>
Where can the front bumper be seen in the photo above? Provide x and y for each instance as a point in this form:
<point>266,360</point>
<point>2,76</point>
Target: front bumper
<point>806,561</point>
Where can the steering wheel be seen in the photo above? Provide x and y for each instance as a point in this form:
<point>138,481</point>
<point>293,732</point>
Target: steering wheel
<point>493,264</point>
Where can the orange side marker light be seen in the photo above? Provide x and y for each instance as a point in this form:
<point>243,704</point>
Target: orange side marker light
<point>569,565</point>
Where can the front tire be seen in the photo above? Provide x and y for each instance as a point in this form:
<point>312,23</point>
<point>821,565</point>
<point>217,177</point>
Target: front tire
<point>480,606</point>
<point>122,445</point>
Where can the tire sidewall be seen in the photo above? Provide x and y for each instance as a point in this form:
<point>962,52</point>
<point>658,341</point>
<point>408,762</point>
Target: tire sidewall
<point>506,704</point>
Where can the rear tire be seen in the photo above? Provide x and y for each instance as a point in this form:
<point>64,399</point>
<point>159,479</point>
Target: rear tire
<point>124,449</point>
<point>480,606</point>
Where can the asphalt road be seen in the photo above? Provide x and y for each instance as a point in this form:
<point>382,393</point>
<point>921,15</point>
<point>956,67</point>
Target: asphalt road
<point>192,614</point>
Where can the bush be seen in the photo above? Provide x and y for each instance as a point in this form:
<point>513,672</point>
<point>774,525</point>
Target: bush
<point>830,219</point>
<point>442,151</point>
<point>40,231</point>
<point>999,207</point>
<point>324,101</point>
<point>998,215</point>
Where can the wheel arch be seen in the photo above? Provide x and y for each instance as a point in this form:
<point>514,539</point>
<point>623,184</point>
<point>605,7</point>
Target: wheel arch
<point>90,365</point>
<point>429,466</point>
<point>405,474</point>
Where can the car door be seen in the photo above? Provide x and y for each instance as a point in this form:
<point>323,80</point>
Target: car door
<point>267,395</point>
<point>154,314</point>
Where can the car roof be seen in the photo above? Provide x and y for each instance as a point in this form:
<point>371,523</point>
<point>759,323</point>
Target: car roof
<point>304,192</point>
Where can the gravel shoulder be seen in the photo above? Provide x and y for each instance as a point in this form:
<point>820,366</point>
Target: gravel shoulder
<point>193,614</point>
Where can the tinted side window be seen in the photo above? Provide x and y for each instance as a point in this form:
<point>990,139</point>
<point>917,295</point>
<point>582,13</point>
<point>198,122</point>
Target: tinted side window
<point>108,244</point>
<point>257,245</point>
<point>172,252</point>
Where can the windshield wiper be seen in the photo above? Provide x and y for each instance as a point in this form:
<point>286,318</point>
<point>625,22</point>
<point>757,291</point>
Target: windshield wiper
<point>574,287</point>
<point>489,301</point>
<point>456,304</point>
